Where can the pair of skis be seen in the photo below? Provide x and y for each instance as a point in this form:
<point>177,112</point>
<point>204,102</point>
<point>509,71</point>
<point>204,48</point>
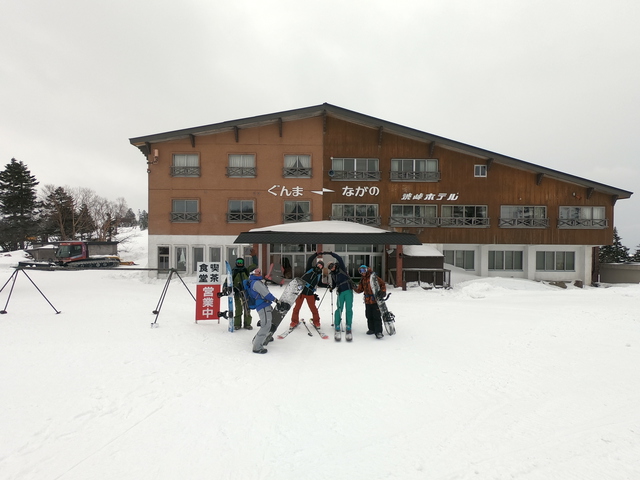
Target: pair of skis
<point>323,335</point>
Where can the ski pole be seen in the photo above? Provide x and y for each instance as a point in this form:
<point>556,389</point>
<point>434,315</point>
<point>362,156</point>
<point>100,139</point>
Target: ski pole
<point>325,292</point>
<point>332,314</point>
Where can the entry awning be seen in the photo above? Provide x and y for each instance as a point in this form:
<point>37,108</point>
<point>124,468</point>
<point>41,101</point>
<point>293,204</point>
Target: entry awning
<point>326,232</point>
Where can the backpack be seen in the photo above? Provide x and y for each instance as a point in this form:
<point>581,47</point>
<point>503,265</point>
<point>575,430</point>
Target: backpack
<point>250,294</point>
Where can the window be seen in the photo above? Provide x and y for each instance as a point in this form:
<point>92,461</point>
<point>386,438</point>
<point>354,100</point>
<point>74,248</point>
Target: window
<point>297,166</point>
<point>181,259</point>
<point>414,169</point>
<point>355,169</point>
<point>523,216</point>
<point>163,258</point>
<point>297,212</point>
<point>582,217</point>
<point>184,211</point>
<point>241,166</point>
<point>241,211</point>
<point>366,214</point>
<point>505,260</point>
<point>479,170</point>
<point>464,216</point>
<point>185,165</point>
<point>555,261</point>
<point>460,258</point>
<point>414,215</point>
<point>215,254</point>
<point>197,255</point>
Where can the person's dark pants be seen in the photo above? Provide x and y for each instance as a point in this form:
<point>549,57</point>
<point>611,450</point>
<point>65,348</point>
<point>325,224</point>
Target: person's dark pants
<point>374,320</point>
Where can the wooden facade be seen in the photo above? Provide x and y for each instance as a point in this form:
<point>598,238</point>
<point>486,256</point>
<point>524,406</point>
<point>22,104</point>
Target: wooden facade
<point>328,135</point>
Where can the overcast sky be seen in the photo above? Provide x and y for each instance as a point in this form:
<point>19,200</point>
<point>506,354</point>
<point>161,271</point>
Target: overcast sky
<point>551,82</point>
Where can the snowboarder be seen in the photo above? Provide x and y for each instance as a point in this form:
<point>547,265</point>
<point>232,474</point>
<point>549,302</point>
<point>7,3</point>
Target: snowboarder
<point>263,299</point>
<point>371,310</point>
<point>239,274</point>
<point>342,283</point>
<point>312,279</point>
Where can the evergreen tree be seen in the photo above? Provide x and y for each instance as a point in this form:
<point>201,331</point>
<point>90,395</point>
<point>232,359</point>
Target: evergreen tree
<point>60,214</point>
<point>129,219</point>
<point>616,252</point>
<point>85,226</point>
<point>18,204</point>
<point>636,256</point>
<point>143,219</point>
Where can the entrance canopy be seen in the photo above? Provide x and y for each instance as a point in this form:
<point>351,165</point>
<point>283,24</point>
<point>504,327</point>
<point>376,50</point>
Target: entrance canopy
<point>326,232</point>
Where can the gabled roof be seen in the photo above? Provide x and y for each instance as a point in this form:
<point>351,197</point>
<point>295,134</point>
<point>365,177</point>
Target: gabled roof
<point>144,142</point>
<point>326,232</point>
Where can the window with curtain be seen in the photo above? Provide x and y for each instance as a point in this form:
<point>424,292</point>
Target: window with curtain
<point>185,165</point>
<point>241,165</point>
<point>241,211</point>
<point>297,211</point>
<point>582,217</point>
<point>414,169</point>
<point>184,211</point>
<point>414,215</point>
<point>297,166</point>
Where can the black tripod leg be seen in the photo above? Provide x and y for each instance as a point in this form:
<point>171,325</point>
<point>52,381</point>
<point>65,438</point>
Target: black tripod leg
<point>43,295</point>
<point>161,299</point>
<point>13,276</point>
<point>185,286</point>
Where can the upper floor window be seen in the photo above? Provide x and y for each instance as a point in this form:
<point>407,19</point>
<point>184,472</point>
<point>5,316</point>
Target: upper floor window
<point>413,215</point>
<point>297,211</point>
<point>297,166</point>
<point>464,216</point>
<point>479,170</point>
<point>241,211</point>
<point>582,217</point>
<point>366,214</point>
<point>527,216</point>
<point>414,169</point>
<point>241,165</point>
<point>355,169</point>
<point>185,211</point>
<point>556,261</point>
<point>185,165</point>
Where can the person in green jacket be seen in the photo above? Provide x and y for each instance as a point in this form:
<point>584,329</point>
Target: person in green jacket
<point>239,274</point>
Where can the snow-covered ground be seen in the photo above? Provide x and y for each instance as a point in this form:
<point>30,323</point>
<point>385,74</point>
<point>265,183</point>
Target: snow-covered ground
<point>493,379</point>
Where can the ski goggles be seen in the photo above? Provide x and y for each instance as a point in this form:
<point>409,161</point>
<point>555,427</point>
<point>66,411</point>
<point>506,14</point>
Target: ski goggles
<point>362,269</point>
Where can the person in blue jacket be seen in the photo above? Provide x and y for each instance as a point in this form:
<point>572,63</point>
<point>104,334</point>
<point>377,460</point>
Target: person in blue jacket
<point>264,298</point>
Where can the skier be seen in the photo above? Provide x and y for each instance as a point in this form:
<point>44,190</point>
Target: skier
<point>263,300</point>
<point>371,310</point>
<point>239,274</point>
<point>312,279</point>
<point>341,281</point>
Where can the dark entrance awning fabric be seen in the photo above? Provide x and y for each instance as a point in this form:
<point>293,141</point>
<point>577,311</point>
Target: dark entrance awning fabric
<point>377,238</point>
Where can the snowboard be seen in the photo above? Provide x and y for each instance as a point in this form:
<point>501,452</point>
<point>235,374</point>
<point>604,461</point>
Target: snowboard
<point>286,300</point>
<point>388,318</point>
<point>230,297</point>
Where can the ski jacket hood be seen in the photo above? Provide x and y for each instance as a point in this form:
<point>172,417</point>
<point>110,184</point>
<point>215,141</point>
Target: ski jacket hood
<point>264,297</point>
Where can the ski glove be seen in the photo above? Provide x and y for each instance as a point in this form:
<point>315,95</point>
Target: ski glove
<point>316,297</point>
<point>380,295</point>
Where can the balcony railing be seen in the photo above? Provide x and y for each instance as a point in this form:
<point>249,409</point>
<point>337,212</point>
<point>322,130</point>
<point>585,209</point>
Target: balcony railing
<point>358,219</point>
<point>241,217</point>
<point>582,223</point>
<point>414,176</point>
<point>355,175</point>
<point>523,223</point>
<point>413,221</point>
<point>241,172</point>
<point>296,217</point>
<point>185,171</point>
<point>296,172</point>
<point>185,217</point>
<point>464,221</point>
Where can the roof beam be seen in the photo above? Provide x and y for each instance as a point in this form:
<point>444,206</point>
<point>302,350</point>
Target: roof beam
<point>192,138</point>
<point>539,178</point>
<point>380,135</point>
<point>236,132</point>
<point>489,163</point>
<point>590,191</point>
<point>280,126</point>
<point>432,147</point>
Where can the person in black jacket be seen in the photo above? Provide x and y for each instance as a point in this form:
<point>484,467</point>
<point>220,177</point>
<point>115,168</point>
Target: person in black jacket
<point>312,279</point>
<point>239,274</point>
